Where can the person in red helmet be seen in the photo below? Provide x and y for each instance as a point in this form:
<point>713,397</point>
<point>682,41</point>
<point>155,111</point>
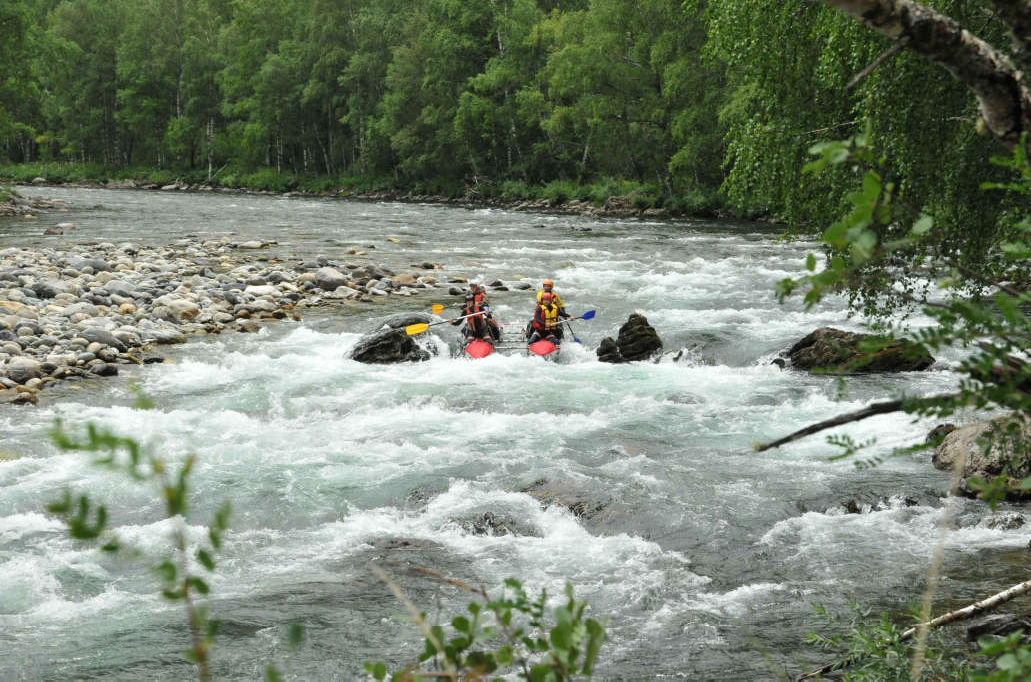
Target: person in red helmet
<point>545,320</point>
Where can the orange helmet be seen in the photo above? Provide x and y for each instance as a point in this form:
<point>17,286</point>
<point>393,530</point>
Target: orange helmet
<point>548,283</point>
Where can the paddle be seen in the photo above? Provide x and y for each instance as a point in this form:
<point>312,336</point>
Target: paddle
<point>589,315</point>
<point>437,308</point>
<point>420,327</point>
<point>572,333</point>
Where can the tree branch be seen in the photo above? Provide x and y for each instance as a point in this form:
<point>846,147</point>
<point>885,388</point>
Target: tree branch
<point>1002,97</point>
<point>1016,14</point>
<point>881,58</point>
<point>858,415</point>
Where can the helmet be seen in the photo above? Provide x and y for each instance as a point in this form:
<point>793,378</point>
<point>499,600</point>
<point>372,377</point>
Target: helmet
<point>548,283</point>
<point>546,297</point>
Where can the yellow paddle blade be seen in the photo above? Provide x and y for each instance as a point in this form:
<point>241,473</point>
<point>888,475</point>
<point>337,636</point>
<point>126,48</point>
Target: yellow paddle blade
<point>437,308</point>
<point>419,328</point>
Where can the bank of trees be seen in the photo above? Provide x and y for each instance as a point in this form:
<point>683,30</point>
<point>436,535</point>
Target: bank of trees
<point>446,93</point>
<point>494,96</point>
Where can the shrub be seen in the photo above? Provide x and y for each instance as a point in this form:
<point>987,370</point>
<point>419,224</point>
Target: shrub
<point>559,191</point>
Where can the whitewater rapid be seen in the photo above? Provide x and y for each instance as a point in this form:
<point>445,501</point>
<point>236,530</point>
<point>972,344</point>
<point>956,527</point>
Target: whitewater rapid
<point>703,555</point>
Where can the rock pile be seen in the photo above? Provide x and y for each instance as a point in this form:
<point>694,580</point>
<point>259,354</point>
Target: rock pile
<point>78,311</point>
<point>637,340</point>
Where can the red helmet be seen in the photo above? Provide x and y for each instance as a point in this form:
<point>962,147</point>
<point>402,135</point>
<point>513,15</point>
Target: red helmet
<point>546,297</point>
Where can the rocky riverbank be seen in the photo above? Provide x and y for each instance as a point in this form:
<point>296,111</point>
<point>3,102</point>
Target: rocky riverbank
<point>613,207</point>
<point>81,311</point>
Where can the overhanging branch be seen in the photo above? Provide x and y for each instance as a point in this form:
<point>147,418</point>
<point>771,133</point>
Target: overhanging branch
<point>859,415</point>
<point>1002,96</point>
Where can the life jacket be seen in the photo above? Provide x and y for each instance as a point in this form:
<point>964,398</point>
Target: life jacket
<point>545,318</point>
<point>476,321</point>
<point>554,298</point>
<point>480,297</point>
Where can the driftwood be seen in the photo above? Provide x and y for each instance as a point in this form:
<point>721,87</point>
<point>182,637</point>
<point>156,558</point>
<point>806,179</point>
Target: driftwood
<point>858,415</point>
<point>964,613</point>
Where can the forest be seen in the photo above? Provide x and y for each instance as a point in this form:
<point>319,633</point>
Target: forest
<point>685,104</point>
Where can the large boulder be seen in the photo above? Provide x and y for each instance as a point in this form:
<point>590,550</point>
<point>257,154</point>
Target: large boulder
<point>836,351</point>
<point>21,370</point>
<point>1007,438</point>
<point>637,340</point>
<point>389,343</point>
<point>388,346</point>
<point>328,279</point>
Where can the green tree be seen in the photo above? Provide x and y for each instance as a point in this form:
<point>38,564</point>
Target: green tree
<point>16,85</point>
<point>798,72</point>
<point>80,79</point>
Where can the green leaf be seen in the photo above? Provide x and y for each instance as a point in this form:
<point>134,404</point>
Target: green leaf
<point>461,624</point>
<point>595,638</point>
<point>271,674</point>
<point>167,571</point>
<point>205,559</point>
<point>198,584</point>
<point>810,263</point>
<point>562,636</point>
<point>922,226</point>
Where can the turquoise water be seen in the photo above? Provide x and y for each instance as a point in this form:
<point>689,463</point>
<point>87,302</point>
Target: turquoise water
<point>704,555</point>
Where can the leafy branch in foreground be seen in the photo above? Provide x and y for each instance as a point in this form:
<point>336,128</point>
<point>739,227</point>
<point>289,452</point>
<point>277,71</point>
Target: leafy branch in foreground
<point>179,581</point>
<point>505,635</point>
<point>882,249</point>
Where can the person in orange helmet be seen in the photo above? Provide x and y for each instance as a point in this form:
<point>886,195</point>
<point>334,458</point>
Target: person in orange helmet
<point>548,286</point>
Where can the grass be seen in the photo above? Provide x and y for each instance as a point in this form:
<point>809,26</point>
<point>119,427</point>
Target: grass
<point>598,192</point>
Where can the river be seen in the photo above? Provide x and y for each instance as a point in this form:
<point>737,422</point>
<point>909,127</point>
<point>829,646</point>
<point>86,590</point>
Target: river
<point>704,556</point>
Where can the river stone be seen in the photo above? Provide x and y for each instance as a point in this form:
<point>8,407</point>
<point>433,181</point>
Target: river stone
<point>22,369</point>
<point>95,264</point>
<point>328,279</point>
<point>166,336</point>
<point>84,309</point>
<point>404,278</point>
<point>104,370</point>
<point>181,309</point>
<point>44,290</point>
<point>262,290</point>
<point>962,445</point>
<point>388,346</point>
<point>833,350</point>
<point>18,309</point>
<point>637,340</point>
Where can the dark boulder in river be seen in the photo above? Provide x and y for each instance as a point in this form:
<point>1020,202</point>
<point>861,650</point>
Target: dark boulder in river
<point>836,351</point>
<point>637,340</point>
<point>390,344</point>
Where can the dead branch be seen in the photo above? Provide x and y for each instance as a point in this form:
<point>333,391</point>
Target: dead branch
<point>883,57</point>
<point>858,415</point>
<point>964,613</point>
